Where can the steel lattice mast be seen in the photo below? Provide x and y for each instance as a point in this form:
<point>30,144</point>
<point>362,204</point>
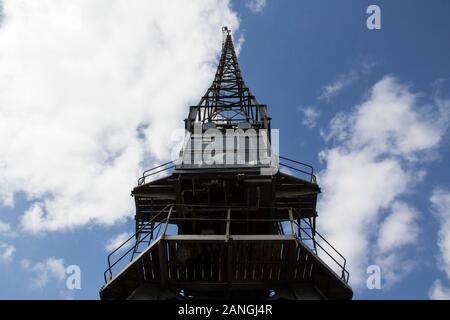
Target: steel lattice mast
<point>228,101</point>
<point>224,230</point>
<point>228,91</point>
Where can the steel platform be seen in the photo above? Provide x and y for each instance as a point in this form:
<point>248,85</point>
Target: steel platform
<point>224,266</point>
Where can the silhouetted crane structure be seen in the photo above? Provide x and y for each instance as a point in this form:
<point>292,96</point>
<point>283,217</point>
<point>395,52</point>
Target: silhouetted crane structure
<point>221,229</point>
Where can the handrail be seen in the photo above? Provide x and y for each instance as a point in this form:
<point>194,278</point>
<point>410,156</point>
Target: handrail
<point>148,173</point>
<point>198,113</point>
<point>110,266</point>
<point>164,223</point>
<point>345,274</point>
<point>310,173</point>
<point>298,162</point>
<point>313,177</point>
<point>165,166</point>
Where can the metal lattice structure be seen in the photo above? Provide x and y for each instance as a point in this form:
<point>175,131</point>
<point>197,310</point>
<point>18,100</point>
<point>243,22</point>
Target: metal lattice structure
<point>228,102</point>
<point>214,231</point>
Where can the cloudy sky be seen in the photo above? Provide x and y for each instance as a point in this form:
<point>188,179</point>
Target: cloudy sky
<point>90,91</point>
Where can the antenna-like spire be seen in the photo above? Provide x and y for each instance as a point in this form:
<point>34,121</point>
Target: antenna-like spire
<point>228,100</point>
<point>226,32</point>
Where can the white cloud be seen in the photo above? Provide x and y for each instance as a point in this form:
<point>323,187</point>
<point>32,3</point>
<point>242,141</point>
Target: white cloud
<point>439,292</point>
<point>91,92</point>
<point>310,116</point>
<point>256,6</point>
<point>6,231</point>
<point>67,294</point>
<point>344,80</point>
<point>395,266</point>
<point>117,241</point>
<point>4,227</point>
<point>331,90</point>
<point>440,201</point>
<point>6,252</point>
<point>398,229</point>
<point>45,272</point>
<point>373,162</point>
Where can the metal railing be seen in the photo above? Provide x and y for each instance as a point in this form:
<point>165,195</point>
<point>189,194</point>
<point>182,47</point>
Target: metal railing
<point>305,168</point>
<point>296,230</point>
<point>319,242</point>
<point>150,172</point>
<point>255,114</point>
<point>137,235</point>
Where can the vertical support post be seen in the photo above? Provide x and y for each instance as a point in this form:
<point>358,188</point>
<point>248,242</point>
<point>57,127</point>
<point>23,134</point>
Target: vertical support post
<point>163,262</point>
<point>162,251</point>
<point>152,226</point>
<point>167,222</point>
<point>229,255</point>
<point>292,249</point>
<point>291,220</point>
<point>313,232</point>
<point>227,232</point>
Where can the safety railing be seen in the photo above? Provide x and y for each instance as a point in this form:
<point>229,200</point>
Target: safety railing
<point>155,170</point>
<point>254,114</point>
<point>320,242</point>
<point>153,233</point>
<point>300,167</point>
<point>297,166</point>
<point>295,228</point>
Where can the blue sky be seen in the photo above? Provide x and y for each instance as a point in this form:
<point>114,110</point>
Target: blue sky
<point>291,52</point>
